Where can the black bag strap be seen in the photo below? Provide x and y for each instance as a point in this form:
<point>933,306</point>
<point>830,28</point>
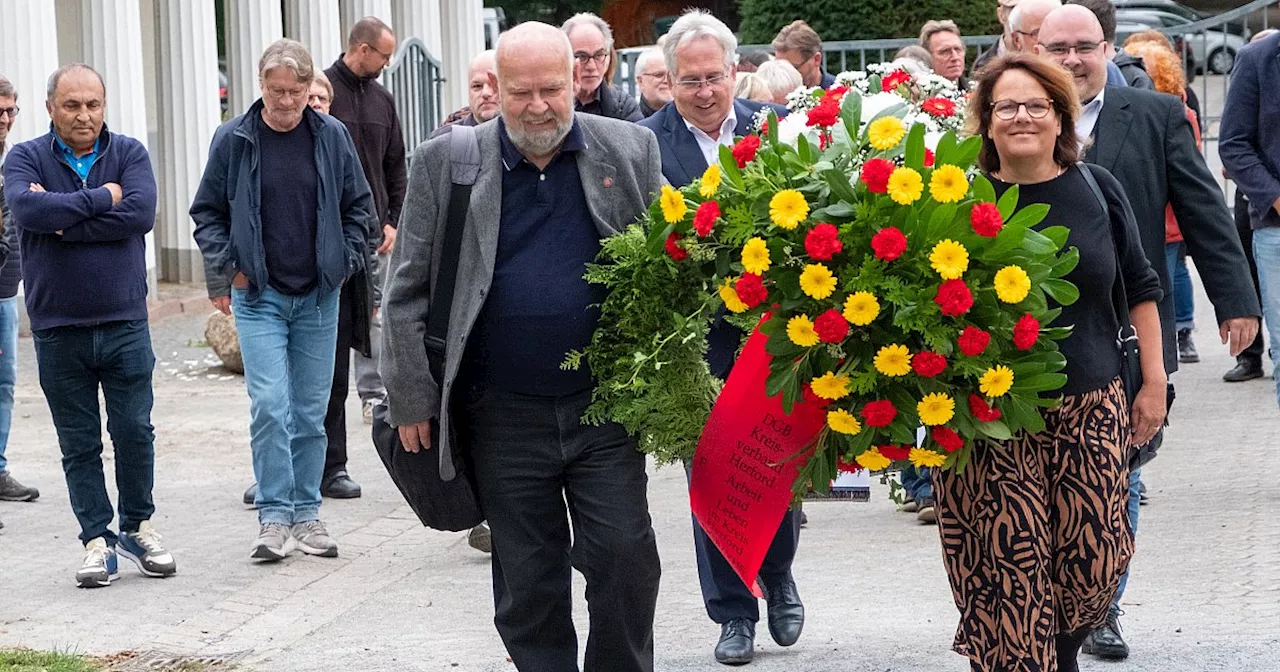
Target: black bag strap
<point>464,166</point>
<point>1119,296</point>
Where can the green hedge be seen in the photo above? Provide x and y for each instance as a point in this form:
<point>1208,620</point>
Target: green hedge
<point>863,19</point>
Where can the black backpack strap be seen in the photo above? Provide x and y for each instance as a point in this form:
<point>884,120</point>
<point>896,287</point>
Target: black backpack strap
<point>464,166</point>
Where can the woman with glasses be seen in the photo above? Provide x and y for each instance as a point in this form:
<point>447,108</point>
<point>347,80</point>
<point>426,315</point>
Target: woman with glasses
<point>1035,533</point>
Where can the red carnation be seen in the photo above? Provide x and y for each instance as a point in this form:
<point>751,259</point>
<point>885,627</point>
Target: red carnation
<point>929,157</point>
<point>939,107</point>
<point>875,174</point>
<point>896,453</point>
<point>928,364</point>
<point>889,243</point>
<point>744,150</point>
<point>947,439</point>
<point>751,290</point>
<point>894,79</point>
<point>822,242</point>
<point>704,219</point>
<point>954,298</point>
<point>973,341</point>
<point>837,92</point>
<point>981,410</point>
<point>986,219</point>
<point>673,248</point>
<point>1026,332</point>
<point>831,327</point>
<point>879,413</point>
<point>825,114</point>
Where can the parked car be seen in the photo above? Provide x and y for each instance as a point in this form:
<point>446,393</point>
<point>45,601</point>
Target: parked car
<point>1214,50</point>
<point>1233,27</point>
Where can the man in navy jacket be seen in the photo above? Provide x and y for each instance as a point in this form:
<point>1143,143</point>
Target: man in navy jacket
<point>691,129</point>
<point>84,198</point>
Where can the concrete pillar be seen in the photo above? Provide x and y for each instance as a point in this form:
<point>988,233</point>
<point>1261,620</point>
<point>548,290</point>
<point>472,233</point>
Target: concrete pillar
<point>187,93</point>
<point>420,19</point>
<point>251,26</point>
<point>463,39</point>
<point>317,24</point>
<point>354,10</point>
<point>29,35</point>
<point>111,42</point>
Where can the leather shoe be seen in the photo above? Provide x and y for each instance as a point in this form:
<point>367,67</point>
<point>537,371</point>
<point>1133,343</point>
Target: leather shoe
<point>786,612</point>
<point>737,645</point>
<point>1247,368</point>
<point>1107,642</point>
<point>251,495</point>
<point>340,486</point>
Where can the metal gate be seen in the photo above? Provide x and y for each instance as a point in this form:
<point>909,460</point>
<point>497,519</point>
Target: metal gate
<point>417,85</point>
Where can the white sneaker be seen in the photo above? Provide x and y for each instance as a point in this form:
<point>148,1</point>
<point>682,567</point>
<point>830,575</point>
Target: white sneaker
<point>100,566</point>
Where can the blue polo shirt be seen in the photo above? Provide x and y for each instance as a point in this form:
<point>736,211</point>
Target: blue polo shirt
<point>81,164</point>
<point>539,307</point>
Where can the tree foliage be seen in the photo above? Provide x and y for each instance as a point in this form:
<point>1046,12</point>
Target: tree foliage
<point>863,19</point>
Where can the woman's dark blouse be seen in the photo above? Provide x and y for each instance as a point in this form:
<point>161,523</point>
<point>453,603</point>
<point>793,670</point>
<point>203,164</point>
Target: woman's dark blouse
<point>1093,360</point>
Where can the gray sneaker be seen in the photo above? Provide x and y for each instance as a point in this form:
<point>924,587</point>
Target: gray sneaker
<point>100,565</point>
<point>13,491</point>
<point>145,550</point>
<point>273,544</point>
<point>314,539</point>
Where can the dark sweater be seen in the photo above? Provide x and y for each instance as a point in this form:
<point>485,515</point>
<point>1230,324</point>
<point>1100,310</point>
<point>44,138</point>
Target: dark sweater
<point>289,184</point>
<point>1093,360</point>
<point>96,271</point>
<point>10,261</point>
<point>369,113</point>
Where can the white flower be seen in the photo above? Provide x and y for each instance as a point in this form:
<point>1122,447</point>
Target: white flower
<point>876,103</point>
<point>790,128</point>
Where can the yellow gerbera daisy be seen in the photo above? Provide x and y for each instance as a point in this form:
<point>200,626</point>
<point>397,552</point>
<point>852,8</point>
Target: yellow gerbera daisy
<point>730,297</point>
<point>830,386</point>
<point>800,331</point>
<point>949,259</point>
<point>936,409</point>
<point>886,132</point>
<point>861,308</point>
<point>673,206</point>
<point>1012,284</point>
<point>948,184</point>
<point>711,181</point>
<point>755,256</point>
<point>788,208</point>
<point>893,360</point>
<point>921,458</point>
<point>843,421</point>
<point>996,381</point>
<point>872,460</point>
<point>905,186</point>
<point>817,281</point>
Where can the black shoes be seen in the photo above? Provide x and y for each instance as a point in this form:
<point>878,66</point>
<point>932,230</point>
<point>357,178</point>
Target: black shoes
<point>786,612</point>
<point>481,538</point>
<point>737,645</point>
<point>1106,642</point>
<point>251,495</point>
<point>1247,368</point>
<point>13,491</point>
<point>1187,347</point>
<point>927,513</point>
<point>339,485</point>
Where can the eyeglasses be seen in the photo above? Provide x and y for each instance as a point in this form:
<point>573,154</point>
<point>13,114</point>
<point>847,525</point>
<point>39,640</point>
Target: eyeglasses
<point>277,93</point>
<point>1081,48</point>
<point>10,112</point>
<point>1037,108</point>
<point>599,57</point>
<point>385,57</point>
<point>660,74</point>
<point>694,85</point>
<point>1034,34</point>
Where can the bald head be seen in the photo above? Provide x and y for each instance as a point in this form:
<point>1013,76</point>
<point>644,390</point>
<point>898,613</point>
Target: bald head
<point>535,84</point>
<point>533,40</point>
<point>1072,36</point>
<point>481,96</point>
<point>1025,20</point>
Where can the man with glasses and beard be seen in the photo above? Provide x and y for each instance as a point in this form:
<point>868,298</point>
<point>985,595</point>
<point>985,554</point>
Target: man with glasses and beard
<point>592,41</point>
<point>551,185</point>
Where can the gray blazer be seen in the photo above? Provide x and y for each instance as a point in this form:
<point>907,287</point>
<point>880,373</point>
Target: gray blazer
<point>621,172</point>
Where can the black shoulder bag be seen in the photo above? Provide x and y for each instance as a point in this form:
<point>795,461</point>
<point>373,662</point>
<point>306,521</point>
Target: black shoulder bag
<point>449,505</point>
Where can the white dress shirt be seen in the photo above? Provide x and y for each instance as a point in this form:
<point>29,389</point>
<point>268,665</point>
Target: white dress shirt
<point>1088,120</point>
<point>711,146</point>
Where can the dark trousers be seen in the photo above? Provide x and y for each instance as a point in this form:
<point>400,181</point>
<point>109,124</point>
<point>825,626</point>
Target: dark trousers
<point>723,592</point>
<point>74,362</point>
<point>532,456</point>
<point>335,417</point>
<point>1241,211</point>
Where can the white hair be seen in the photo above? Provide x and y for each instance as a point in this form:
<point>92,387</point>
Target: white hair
<point>286,53</point>
<point>694,24</point>
<point>589,19</point>
<point>780,76</point>
<point>646,57</point>
<point>1015,17</point>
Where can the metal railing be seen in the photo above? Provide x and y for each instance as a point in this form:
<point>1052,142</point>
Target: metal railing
<point>416,82</point>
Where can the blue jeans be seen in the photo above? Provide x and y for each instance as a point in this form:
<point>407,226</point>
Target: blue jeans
<point>74,362</point>
<point>1184,295</point>
<point>1266,250</point>
<point>287,343</point>
<point>1135,482</point>
<point>918,483</point>
<point>8,370</point>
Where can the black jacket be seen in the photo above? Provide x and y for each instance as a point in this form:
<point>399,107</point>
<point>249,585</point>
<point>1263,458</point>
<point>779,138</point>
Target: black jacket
<point>369,112</point>
<point>1135,73</point>
<point>10,257</point>
<point>984,58</point>
<point>611,102</point>
<point>1144,139</point>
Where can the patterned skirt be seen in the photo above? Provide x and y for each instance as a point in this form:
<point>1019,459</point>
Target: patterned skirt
<point>1035,533</point>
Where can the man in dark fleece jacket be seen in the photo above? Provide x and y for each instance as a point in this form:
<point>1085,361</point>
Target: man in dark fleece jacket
<point>84,198</point>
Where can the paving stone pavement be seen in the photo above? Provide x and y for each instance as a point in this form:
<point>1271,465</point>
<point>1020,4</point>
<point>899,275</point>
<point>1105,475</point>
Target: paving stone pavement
<point>1205,594</point>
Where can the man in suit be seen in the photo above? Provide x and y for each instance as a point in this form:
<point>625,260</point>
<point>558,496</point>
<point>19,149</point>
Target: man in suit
<point>1145,140</point>
<point>1006,42</point>
<point>551,184</point>
<point>704,117</point>
<point>1249,145</point>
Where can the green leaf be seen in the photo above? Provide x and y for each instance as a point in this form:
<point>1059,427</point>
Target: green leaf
<point>840,186</point>
<point>967,153</point>
<point>779,380</point>
<point>1008,203</point>
<point>941,218</point>
<point>1066,263</point>
<point>946,148</point>
<point>995,429</point>
<point>1058,234</point>
<point>982,189</point>
<point>1029,216</point>
<point>773,128</point>
<point>915,147</point>
<point>723,260</point>
<point>1061,291</point>
<point>729,166</point>
<point>805,152</point>
<point>658,237</point>
<point>1041,383</point>
<point>1036,243</point>
<point>839,209</point>
<point>851,113</point>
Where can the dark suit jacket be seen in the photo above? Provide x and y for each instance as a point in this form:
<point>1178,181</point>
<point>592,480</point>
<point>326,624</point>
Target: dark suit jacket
<point>1249,141</point>
<point>1144,139</point>
<point>682,160</point>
